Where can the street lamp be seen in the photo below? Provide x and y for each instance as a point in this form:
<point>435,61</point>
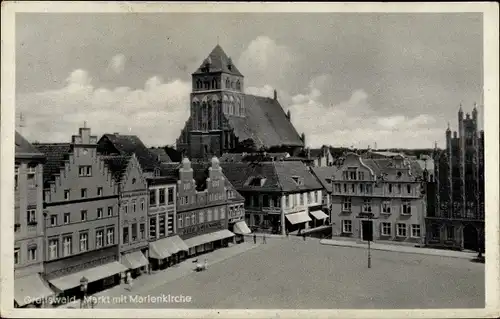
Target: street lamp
<point>367,229</point>
<point>83,287</point>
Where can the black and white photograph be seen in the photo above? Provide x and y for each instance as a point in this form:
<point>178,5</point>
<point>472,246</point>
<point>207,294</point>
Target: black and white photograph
<point>249,158</point>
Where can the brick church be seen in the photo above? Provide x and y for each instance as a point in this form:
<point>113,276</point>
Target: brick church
<point>223,119</point>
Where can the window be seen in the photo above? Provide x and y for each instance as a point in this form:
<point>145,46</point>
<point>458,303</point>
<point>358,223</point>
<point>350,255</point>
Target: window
<point>450,232</point>
<point>386,207</point>
<point>110,236</point>
<point>99,236</point>
<point>142,204</point>
<point>125,235</point>
<point>170,195</point>
<point>186,199</point>
<point>408,189</point>
<point>347,226</point>
<point>83,214</point>
<point>162,225</point>
<point>265,201</point>
<point>201,217</point>
<point>162,196</point>
<point>17,256</point>
<point>401,230</point>
<point>53,248</point>
<point>99,191</point>
<point>406,208</point>
<point>361,175</point>
<point>180,223</point>
<point>32,253</point>
<point>110,211</point>
<point>66,194</point>
<point>222,212</point>
<point>31,216</point>
<point>346,204</point>
<point>53,220</point>
<point>386,229</point>
<point>67,218</point>
<point>142,230</point>
<point>361,188</point>
<point>84,241</point>
<point>316,197</point>
<point>134,206</point>
<point>31,175</point>
<point>188,220</point>
<point>83,193</point>
<point>352,175</point>
<point>367,205</point>
<point>209,215</point>
<point>369,188</point>
<point>415,230</point>
<point>353,188</point>
<point>67,245</point>
<point>84,170</point>
<point>193,219</point>
<point>152,227</point>
<point>399,188</point>
<point>390,188</point>
<point>99,213</point>
<point>152,197</point>
<point>216,213</point>
<point>345,188</point>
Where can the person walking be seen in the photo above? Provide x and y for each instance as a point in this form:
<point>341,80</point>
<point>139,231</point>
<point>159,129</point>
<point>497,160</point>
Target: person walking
<point>304,236</point>
<point>264,239</point>
<point>129,281</point>
<point>254,238</point>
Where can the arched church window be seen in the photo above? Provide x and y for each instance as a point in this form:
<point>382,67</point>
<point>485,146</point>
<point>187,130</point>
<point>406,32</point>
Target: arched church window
<point>209,117</point>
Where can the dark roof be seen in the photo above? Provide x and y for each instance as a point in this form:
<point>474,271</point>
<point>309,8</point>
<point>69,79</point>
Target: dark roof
<point>161,154</point>
<point>173,154</point>
<point>243,157</point>
<point>323,174</point>
<point>128,145</point>
<point>274,176</point>
<point>265,123</point>
<point>56,154</point>
<point>315,152</point>
<point>219,62</point>
<point>117,165</point>
<point>161,180</point>
<point>289,169</point>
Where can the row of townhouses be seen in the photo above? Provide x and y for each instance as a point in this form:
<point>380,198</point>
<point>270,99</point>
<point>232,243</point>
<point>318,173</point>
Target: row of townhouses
<point>95,210</point>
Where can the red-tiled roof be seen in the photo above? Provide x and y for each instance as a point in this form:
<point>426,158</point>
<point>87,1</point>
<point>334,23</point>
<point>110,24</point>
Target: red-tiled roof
<point>219,62</point>
<point>265,123</point>
<point>56,154</point>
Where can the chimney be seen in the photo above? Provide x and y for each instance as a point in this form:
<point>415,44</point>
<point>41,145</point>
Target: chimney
<point>275,95</point>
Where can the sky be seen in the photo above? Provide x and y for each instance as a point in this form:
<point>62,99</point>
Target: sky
<point>349,79</point>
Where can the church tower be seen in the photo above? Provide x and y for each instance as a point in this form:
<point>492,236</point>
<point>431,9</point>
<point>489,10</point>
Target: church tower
<point>217,89</point>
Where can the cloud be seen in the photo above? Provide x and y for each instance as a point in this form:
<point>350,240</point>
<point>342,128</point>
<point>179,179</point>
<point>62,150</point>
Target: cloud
<point>117,63</point>
<point>156,113</point>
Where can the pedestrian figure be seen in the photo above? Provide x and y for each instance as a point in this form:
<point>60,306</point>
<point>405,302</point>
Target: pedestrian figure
<point>264,239</point>
<point>304,236</point>
<point>254,238</point>
<point>206,264</point>
<point>129,281</point>
<point>287,233</point>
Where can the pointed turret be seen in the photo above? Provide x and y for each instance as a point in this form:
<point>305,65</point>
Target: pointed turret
<point>218,62</point>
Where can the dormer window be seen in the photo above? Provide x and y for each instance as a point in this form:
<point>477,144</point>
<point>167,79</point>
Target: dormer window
<point>157,172</point>
<point>257,181</point>
<point>298,180</point>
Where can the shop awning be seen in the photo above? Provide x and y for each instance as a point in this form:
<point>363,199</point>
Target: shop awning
<point>208,238</point>
<point>179,243</point>
<point>241,228</point>
<point>298,218</point>
<point>27,289</point>
<point>134,260</point>
<point>161,249</point>
<point>92,274</point>
<point>319,214</point>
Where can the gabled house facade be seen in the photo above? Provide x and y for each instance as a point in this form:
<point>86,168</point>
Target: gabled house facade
<point>28,224</point>
<point>80,217</point>
<point>387,192</point>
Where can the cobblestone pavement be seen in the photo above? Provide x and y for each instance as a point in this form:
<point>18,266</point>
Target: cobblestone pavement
<point>292,273</point>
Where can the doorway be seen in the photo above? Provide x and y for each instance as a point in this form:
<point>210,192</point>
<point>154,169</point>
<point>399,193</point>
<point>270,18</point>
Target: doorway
<point>366,228</point>
<point>470,238</point>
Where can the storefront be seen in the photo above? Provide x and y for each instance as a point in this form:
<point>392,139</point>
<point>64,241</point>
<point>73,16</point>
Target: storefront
<point>297,221</point>
<point>31,291</point>
<point>208,242</point>
<point>240,229</point>
<point>167,251</point>
<point>99,278</point>
<point>136,262</point>
<point>319,218</point>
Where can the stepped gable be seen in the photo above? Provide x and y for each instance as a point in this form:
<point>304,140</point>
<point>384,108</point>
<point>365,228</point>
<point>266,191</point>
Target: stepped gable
<point>131,144</point>
<point>117,165</point>
<point>265,123</point>
<point>219,62</point>
<point>56,154</point>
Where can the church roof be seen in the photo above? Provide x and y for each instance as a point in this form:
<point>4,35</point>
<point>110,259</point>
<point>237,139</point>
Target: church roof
<point>219,62</point>
<point>265,123</point>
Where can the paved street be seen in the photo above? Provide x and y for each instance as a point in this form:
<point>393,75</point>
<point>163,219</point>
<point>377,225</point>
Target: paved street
<point>291,273</point>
